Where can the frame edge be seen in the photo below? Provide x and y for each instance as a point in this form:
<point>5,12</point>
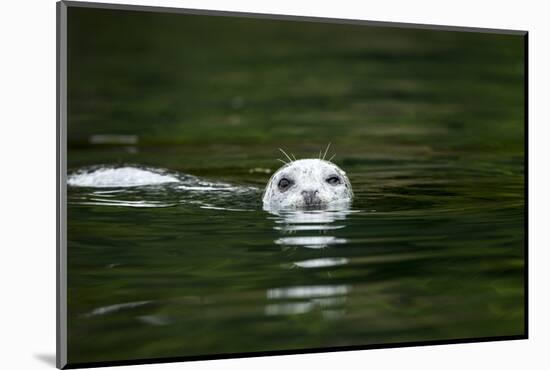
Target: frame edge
<point>61,250</point>
<point>288,17</point>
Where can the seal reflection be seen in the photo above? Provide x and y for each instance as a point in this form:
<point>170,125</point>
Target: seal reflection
<point>310,229</point>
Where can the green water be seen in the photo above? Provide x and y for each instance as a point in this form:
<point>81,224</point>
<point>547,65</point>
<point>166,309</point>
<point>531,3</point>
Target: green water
<point>428,126</point>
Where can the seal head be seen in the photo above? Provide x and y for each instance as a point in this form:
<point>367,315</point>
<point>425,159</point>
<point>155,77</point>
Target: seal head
<point>307,183</point>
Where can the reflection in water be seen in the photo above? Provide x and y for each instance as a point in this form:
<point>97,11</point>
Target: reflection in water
<point>321,262</point>
<point>307,291</point>
<point>314,242</point>
<point>301,224</point>
<point>310,221</point>
<point>303,299</point>
<point>317,217</point>
<point>288,308</point>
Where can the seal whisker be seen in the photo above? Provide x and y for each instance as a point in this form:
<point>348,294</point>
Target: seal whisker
<point>282,151</point>
<point>280,160</point>
<point>326,151</point>
<point>334,155</point>
<point>292,154</point>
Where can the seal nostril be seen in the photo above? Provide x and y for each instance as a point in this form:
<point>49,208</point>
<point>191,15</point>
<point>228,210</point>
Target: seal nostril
<point>310,196</point>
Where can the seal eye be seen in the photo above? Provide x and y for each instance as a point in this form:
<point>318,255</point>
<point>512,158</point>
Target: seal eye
<point>334,180</point>
<point>284,184</point>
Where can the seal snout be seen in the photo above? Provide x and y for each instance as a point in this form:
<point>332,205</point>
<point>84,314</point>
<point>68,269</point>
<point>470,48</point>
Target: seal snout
<point>311,197</point>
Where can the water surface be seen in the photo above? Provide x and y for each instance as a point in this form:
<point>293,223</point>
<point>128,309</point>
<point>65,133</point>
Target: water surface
<point>427,125</point>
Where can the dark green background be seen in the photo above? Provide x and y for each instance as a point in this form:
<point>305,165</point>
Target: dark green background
<point>429,126</point>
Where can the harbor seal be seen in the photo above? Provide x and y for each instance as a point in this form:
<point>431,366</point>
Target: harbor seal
<point>307,183</point>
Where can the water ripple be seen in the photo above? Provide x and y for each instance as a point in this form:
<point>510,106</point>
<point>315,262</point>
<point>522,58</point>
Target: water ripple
<point>115,307</point>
